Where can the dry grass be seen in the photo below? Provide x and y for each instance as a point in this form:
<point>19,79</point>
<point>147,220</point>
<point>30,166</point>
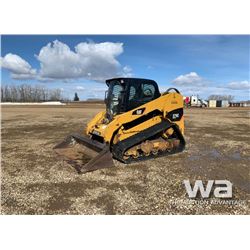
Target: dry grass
<point>34,181</point>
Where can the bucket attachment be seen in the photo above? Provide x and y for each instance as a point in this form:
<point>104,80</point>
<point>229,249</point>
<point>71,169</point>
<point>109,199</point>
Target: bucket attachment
<point>84,154</point>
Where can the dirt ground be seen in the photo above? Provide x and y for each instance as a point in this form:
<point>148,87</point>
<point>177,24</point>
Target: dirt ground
<point>34,181</point>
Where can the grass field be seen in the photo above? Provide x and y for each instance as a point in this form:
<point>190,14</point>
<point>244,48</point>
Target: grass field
<point>34,181</point>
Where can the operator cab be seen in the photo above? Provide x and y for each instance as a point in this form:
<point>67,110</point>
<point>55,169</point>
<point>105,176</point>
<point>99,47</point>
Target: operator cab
<point>125,94</point>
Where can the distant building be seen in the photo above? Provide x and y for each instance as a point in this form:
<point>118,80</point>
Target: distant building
<point>218,103</point>
<point>240,104</point>
<point>224,103</point>
<point>212,104</point>
<point>234,104</point>
<point>246,103</point>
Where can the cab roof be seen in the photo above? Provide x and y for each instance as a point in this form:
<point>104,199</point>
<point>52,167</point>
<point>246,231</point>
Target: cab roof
<point>129,79</point>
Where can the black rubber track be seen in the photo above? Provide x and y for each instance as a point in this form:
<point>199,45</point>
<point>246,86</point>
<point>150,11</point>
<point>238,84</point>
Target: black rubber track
<point>120,148</point>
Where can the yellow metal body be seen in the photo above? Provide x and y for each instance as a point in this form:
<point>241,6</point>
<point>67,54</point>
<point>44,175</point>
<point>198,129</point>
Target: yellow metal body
<point>165,103</point>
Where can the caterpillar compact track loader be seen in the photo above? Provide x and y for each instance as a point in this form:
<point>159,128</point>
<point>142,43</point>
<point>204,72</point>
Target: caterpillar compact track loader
<point>139,123</point>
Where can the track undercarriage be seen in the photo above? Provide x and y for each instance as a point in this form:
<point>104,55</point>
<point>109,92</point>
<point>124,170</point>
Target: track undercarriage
<point>161,139</point>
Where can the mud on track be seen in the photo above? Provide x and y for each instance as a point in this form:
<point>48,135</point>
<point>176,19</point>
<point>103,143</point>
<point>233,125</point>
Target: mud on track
<point>34,181</point>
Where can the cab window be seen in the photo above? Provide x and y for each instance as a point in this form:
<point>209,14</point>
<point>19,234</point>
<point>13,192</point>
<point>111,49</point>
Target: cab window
<point>148,92</point>
<point>132,93</point>
<point>139,94</point>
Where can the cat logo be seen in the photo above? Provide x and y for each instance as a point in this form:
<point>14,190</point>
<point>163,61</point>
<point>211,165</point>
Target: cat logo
<point>138,111</point>
<point>176,116</point>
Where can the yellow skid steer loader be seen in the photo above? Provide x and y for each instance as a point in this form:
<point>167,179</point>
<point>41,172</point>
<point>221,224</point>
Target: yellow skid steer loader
<point>139,123</point>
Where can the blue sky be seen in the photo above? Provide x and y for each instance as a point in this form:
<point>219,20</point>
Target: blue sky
<point>204,65</point>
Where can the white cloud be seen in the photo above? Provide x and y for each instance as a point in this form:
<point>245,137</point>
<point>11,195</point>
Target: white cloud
<point>240,85</point>
<point>127,71</point>
<point>88,60</point>
<point>79,88</point>
<point>93,61</point>
<point>191,79</point>
<point>19,68</point>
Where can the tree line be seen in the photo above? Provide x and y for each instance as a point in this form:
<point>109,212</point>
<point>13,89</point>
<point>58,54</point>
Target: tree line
<point>221,97</point>
<point>29,93</point>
